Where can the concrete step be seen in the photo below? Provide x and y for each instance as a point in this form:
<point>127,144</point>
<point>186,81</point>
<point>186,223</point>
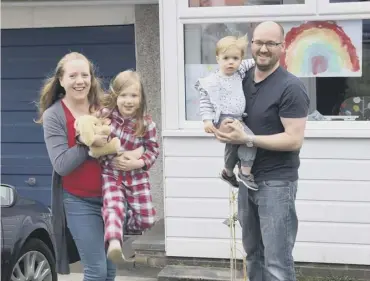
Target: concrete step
<point>125,269</point>
<point>151,240</point>
<point>192,273</point>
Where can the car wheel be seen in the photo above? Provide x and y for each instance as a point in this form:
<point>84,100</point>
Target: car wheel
<point>34,263</point>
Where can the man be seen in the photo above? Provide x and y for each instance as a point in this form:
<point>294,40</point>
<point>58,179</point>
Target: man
<point>277,107</point>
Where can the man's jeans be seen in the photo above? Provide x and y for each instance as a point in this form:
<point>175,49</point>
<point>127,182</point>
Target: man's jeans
<point>269,228</point>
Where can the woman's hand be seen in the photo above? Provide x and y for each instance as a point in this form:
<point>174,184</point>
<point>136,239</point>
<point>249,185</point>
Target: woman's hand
<point>127,163</point>
<point>236,134</point>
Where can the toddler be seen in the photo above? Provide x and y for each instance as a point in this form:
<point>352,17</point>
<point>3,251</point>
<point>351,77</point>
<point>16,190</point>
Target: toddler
<point>222,97</point>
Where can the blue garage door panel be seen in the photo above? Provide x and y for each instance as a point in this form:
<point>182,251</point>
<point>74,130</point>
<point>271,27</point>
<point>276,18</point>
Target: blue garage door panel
<point>17,126</point>
<point>23,94</point>
<point>28,56</point>
<point>68,36</point>
<point>38,58</point>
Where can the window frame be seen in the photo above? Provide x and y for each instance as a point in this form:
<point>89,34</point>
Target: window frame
<point>345,8</point>
<point>173,70</point>
<point>221,12</point>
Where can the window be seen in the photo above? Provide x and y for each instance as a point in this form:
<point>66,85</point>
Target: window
<point>335,93</point>
<point>216,3</point>
<point>344,7</point>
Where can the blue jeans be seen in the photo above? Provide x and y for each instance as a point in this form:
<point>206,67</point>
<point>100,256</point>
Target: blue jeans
<point>86,225</point>
<point>269,229</point>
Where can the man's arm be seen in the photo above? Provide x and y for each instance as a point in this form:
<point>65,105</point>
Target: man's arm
<point>293,111</point>
<point>290,140</point>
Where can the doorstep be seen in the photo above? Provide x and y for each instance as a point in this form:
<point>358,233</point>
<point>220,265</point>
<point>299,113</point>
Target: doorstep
<point>195,273</point>
<point>152,240</point>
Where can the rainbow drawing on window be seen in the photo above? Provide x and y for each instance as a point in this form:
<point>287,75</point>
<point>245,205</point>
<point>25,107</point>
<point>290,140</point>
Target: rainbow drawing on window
<point>321,48</point>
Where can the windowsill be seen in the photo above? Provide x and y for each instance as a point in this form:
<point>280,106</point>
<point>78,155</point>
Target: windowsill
<point>309,133</point>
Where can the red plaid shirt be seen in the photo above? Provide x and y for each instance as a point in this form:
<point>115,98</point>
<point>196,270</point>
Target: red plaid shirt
<point>124,129</point>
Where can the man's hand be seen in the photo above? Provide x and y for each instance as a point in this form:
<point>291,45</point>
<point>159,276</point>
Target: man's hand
<point>235,134</point>
<point>208,126</point>
<point>127,163</point>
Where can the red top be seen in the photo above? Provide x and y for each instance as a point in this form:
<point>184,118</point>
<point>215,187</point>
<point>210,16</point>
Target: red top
<point>85,180</point>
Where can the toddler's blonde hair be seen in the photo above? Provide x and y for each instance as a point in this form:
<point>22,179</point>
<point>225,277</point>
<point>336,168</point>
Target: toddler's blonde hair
<point>229,42</point>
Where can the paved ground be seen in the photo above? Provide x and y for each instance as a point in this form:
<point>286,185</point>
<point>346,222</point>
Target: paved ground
<point>126,272</point>
<point>79,277</point>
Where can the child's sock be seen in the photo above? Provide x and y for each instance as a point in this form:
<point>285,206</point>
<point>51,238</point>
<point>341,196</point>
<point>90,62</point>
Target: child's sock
<point>114,252</point>
<point>128,251</point>
<point>246,171</point>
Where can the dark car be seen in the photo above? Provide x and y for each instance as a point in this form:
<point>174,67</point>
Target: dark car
<point>27,249</point>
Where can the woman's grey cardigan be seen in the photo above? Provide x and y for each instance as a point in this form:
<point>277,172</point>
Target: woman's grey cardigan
<point>64,160</point>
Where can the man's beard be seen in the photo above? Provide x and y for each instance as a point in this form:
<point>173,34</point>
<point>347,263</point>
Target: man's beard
<point>265,67</point>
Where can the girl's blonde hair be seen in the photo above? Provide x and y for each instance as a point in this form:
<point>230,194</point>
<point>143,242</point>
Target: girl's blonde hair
<point>122,81</point>
<point>52,91</point>
<point>228,42</point>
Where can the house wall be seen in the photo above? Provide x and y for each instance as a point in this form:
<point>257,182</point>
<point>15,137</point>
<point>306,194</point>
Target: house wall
<point>333,200</point>
<point>148,63</point>
<point>145,18</point>
<point>334,187</point>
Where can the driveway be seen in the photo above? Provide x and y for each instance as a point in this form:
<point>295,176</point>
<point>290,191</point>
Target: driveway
<point>79,277</point>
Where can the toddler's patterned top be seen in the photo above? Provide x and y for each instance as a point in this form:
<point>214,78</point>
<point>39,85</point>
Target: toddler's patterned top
<point>124,129</point>
<point>222,94</point>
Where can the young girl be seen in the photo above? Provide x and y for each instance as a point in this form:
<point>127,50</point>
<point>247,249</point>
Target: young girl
<point>222,97</point>
<point>125,106</point>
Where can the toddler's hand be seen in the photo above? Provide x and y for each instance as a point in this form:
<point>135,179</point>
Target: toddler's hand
<point>208,126</point>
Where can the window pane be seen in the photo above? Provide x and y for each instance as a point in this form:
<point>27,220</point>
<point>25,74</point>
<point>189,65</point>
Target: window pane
<point>216,3</point>
<point>343,96</point>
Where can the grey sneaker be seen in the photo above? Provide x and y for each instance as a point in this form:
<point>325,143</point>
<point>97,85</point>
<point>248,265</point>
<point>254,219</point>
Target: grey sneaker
<point>248,181</point>
<point>230,180</point>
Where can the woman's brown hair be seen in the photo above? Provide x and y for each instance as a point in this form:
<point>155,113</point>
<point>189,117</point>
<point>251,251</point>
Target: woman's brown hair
<point>52,91</point>
<point>122,81</point>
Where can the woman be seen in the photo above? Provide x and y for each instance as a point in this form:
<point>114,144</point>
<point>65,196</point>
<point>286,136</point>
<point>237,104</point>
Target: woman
<point>72,91</point>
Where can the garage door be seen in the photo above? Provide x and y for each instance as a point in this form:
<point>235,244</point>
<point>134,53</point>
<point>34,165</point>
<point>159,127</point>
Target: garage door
<point>28,56</point>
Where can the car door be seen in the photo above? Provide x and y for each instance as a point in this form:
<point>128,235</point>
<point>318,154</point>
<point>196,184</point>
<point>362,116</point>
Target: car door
<point>9,224</point>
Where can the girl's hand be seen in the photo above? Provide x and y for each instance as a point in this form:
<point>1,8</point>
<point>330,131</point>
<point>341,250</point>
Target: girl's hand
<point>127,163</point>
<point>136,153</point>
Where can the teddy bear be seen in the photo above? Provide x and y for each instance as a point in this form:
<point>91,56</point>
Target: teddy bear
<point>88,126</point>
